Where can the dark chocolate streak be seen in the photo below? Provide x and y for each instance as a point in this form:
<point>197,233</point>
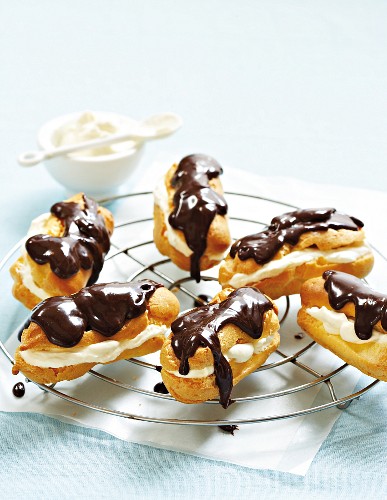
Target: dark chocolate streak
<point>196,204</point>
<point>243,308</point>
<point>288,228</point>
<point>84,244</point>
<point>104,308</point>
<point>370,306</point>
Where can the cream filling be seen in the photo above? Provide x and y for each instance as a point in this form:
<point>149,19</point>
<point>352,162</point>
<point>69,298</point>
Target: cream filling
<point>240,353</point>
<point>101,352</point>
<point>337,323</point>
<point>297,258</point>
<point>174,238</point>
<point>29,283</point>
<point>38,226</point>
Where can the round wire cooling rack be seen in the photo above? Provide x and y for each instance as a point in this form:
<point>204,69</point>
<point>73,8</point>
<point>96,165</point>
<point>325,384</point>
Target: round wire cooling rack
<point>133,256</point>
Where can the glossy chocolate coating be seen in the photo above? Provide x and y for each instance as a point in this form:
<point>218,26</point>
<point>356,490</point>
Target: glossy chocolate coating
<point>196,204</point>
<point>104,308</point>
<point>370,306</point>
<point>288,228</point>
<point>84,244</point>
<point>244,308</point>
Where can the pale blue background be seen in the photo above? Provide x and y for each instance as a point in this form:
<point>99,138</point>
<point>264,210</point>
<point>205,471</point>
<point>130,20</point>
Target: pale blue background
<point>279,87</point>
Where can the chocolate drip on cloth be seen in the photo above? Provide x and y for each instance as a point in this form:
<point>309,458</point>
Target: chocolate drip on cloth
<point>18,390</point>
<point>370,306</point>
<point>196,204</point>
<point>230,429</point>
<point>84,244</point>
<point>160,388</point>
<point>104,308</point>
<point>244,308</point>
<point>288,228</point>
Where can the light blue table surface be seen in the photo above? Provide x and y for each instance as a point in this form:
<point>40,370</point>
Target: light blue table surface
<point>279,88</point>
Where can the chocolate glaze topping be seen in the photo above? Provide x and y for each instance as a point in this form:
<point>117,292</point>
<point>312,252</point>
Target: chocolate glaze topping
<point>104,308</point>
<point>288,228</point>
<point>370,306</point>
<point>84,244</point>
<point>244,308</point>
<point>196,204</point>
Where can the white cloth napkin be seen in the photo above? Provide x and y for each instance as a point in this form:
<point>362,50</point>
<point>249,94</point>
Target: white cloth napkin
<point>284,445</point>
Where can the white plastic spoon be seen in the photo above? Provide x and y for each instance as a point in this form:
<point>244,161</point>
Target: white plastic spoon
<point>154,127</point>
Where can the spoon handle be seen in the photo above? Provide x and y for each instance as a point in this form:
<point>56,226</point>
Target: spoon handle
<point>31,158</point>
<point>154,127</point>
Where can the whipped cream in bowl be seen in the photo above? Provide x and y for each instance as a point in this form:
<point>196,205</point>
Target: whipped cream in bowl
<point>100,171</point>
<point>88,126</point>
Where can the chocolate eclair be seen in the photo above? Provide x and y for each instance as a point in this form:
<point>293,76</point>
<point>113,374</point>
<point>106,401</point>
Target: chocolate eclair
<point>190,222</point>
<point>346,316</point>
<point>295,247</point>
<point>64,250</point>
<point>212,348</point>
<point>102,323</point>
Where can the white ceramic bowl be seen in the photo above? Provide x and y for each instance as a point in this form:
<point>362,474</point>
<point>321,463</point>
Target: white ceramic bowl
<point>95,175</point>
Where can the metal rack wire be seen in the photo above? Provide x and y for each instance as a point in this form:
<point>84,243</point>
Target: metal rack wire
<point>184,285</point>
